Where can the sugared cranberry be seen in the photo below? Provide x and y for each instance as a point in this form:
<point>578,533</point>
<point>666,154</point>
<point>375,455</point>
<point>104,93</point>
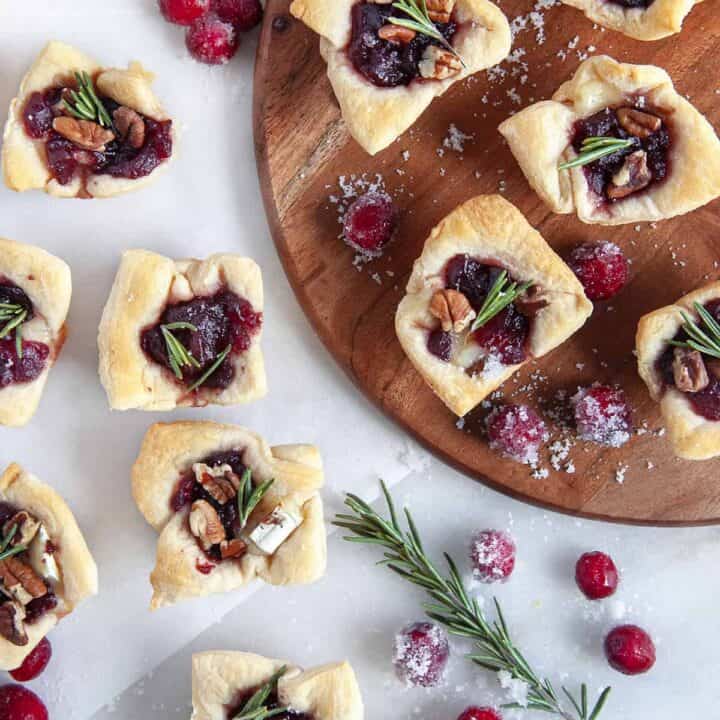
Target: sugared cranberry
<point>35,663</point>
<point>602,415</point>
<point>596,575</point>
<point>183,12</point>
<point>630,650</point>
<point>516,431</point>
<point>19,703</point>
<point>440,344</point>
<point>480,713</point>
<point>243,14</point>
<point>211,40</point>
<point>370,223</point>
<point>492,553</point>
<point>601,268</point>
<point>504,337</point>
<point>421,654</point>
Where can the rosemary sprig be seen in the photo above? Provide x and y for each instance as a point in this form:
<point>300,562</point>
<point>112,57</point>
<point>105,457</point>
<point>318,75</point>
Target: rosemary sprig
<point>84,103</point>
<point>705,338</point>
<point>255,708</point>
<point>178,355</point>
<point>219,360</point>
<point>594,148</point>
<point>248,498</point>
<point>5,550</point>
<point>453,608</point>
<point>502,293</point>
<point>15,315</point>
<point>420,22</point>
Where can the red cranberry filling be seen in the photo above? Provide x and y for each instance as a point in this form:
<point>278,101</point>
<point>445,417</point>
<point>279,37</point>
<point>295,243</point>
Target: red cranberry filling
<point>221,321</point>
<point>272,703</point>
<point>382,62</point>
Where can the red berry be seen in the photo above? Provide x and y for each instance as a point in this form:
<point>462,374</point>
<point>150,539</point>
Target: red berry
<point>603,415</point>
<point>243,14</point>
<point>596,575</point>
<point>492,553</point>
<point>212,41</point>
<point>19,703</point>
<point>421,654</point>
<point>183,12</point>
<point>630,650</point>
<point>370,223</point>
<point>601,268</point>
<point>35,663</point>
<point>480,713</point>
<point>516,431</point>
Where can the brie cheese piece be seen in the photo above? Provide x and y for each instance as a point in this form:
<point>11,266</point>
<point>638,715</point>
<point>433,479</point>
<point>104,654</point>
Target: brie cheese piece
<point>42,561</point>
<point>274,530</point>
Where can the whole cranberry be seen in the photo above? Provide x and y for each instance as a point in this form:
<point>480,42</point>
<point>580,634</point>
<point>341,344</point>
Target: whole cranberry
<point>243,14</point>
<point>183,12</point>
<point>19,703</point>
<point>212,41</point>
<point>596,575</point>
<point>370,223</point>
<point>492,553</point>
<point>480,713</point>
<point>603,415</point>
<point>630,650</point>
<point>35,663</point>
<point>601,268</point>
<point>517,432</point>
<point>440,344</point>
<point>421,654</point>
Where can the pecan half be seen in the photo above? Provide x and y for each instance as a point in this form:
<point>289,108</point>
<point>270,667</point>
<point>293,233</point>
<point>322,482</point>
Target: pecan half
<point>689,370</point>
<point>396,34</point>
<point>532,301</point>
<point>634,175</point>
<point>205,524</point>
<point>12,626</point>
<point>439,64</point>
<point>84,133</point>
<point>638,123</point>
<point>439,11</point>
<point>27,527</point>
<point>20,581</point>
<point>130,125</point>
<point>232,548</point>
<point>220,482</point>
<point>452,309</point>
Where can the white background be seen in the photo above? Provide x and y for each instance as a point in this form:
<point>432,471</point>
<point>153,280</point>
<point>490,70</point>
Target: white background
<point>114,659</point>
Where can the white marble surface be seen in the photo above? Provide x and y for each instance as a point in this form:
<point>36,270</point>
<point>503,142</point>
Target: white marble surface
<point>116,660</point>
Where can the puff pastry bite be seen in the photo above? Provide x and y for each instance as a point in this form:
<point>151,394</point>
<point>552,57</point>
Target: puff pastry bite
<point>182,332</point>
<point>659,157</point>
<point>77,129</point>
<point>35,290</point>
<point>385,76</point>
<point>685,377</point>
<point>194,483</point>
<point>484,251</point>
<point>46,569</point>
<point>224,682</point>
<point>639,19</point>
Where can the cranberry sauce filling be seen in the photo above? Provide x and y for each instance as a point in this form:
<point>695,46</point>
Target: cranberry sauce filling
<point>272,703</point>
<point>644,4</point>
<point>119,159</point>
<point>221,321</point>
<point>383,62</point>
<point>606,123</point>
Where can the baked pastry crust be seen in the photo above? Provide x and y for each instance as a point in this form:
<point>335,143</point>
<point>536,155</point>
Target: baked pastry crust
<point>23,158</point>
<point>539,137</point>
<point>329,692</point>
<point>46,280</point>
<point>79,578</point>
<point>661,19</point>
<point>491,228</point>
<point>692,436</point>
<point>145,283</point>
<point>377,116</point>
<point>170,449</point>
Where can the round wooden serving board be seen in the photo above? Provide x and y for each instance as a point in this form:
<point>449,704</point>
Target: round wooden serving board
<point>303,148</point>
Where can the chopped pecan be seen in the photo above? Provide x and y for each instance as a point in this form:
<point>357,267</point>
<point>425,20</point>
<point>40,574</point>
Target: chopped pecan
<point>439,64</point>
<point>84,133</point>
<point>12,625</point>
<point>689,370</point>
<point>221,482</point>
<point>638,123</point>
<point>130,125</point>
<point>20,581</point>
<point>396,34</point>
<point>27,527</point>
<point>452,309</point>
<point>205,524</point>
<point>634,175</point>
<point>439,11</point>
<point>532,301</point>
<point>232,548</point>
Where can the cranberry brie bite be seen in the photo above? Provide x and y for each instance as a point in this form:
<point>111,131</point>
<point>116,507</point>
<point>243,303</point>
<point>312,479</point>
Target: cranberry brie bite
<point>46,569</point>
<point>35,290</point>
<point>228,508</point>
<point>678,352</point>
<point>639,19</point>
<point>182,333</point>
<point>77,129</point>
<point>388,60</point>
<point>617,144</point>
<point>238,686</point>
<point>486,295</point>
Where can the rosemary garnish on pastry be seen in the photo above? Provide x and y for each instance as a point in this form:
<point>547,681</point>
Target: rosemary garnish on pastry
<point>84,104</point>
<point>248,498</point>
<point>219,360</point>
<point>705,339</point>
<point>5,550</point>
<point>255,708</point>
<point>15,315</point>
<point>453,607</point>
<point>594,148</point>
<point>420,22</point>
<point>178,355</point>
<point>502,293</point>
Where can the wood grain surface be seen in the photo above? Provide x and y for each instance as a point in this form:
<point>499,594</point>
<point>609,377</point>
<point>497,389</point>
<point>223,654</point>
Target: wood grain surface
<point>303,148</point>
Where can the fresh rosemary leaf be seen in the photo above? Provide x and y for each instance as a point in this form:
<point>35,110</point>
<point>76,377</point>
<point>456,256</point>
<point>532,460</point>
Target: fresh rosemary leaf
<point>5,550</point>
<point>15,316</point>
<point>594,148</point>
<point>219,360</point>
<point>704,338</point>
<point>84,103</point>
<point>249,498</point>
<point>178,355</point>
<point>502,294</point>
<point>255,708</point>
